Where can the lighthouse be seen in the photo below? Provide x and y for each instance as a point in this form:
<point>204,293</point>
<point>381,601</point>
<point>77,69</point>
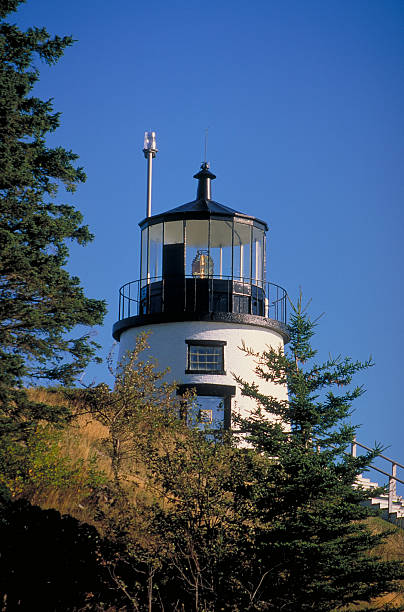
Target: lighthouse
<point>202,293</point>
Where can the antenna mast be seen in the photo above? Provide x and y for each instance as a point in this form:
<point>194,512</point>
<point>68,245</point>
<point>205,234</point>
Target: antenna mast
<point>149,150</point>
<point>206,145</point>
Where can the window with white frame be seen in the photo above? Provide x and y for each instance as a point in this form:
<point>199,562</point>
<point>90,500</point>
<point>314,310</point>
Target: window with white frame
<point>205,356</point>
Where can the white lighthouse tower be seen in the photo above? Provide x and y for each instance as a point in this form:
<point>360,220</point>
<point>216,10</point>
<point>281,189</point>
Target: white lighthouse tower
<point>202,293</point>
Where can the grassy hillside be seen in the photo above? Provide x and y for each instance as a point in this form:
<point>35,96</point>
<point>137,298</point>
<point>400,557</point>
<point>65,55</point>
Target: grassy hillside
<point>79,448</point>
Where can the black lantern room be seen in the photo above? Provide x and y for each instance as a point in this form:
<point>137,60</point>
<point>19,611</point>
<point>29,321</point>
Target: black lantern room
<point>201,257</point>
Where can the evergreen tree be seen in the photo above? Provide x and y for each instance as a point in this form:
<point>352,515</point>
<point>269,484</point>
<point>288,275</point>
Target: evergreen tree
<point>40,303</point>
<point>311,546</point>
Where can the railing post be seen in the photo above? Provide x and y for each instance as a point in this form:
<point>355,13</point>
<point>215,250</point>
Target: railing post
<point>394,481</point>
<point>285,306</point>
<point>391,486</point>
<point>268,297</point>
<point>276,315</point>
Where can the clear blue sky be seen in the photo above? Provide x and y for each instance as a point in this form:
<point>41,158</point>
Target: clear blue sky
<point>304,105</point>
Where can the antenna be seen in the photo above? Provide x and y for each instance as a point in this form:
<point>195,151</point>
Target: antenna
<point>149,150</point>
<point>206,144</point>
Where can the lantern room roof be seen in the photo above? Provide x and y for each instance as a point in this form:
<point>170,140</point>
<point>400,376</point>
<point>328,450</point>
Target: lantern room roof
<point>201,208</point>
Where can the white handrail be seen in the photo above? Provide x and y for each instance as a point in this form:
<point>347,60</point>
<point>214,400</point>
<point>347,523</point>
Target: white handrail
<point>393,479</point>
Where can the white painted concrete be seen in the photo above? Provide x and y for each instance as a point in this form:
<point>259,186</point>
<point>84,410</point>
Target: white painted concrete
<point>168,347</point>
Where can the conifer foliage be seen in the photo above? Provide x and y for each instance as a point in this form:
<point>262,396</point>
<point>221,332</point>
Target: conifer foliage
<point>40,303</point>
<point>311,548</point>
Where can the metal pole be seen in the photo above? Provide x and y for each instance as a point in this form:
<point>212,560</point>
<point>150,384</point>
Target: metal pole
<point>149,182</point>
<point>149,150</point>
<point>221,262</point>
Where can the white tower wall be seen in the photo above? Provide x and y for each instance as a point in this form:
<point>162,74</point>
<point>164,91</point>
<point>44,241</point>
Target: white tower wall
<point>169,347</point>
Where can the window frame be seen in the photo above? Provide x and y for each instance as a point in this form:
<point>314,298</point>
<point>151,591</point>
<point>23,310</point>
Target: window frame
<point>205,343</point>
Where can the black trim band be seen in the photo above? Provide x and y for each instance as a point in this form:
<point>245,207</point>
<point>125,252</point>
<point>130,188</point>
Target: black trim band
<point>222,317</point>
<point>206,342</point>
<point>206,214</point>
<point>210,372</point>
<point>208,389</point>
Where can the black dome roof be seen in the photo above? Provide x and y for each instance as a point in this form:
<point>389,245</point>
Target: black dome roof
<point>201,208</point>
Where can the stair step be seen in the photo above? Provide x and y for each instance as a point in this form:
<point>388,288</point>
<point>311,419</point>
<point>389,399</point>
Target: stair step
<point>383,504</point>
<point>392,516</point>
<point>366,483</point>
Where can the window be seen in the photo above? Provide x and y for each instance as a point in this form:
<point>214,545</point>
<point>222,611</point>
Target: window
<point>205,356</point>
<point>213,404</point>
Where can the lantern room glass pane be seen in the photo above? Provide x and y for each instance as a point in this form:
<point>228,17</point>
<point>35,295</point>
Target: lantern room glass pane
<point>198,262</point>
<point>220,247</point>
<point>155,251</point>
<point>242,252</point>
<point>173,232</point>
<point>258,257</point>
<point>143,272</point>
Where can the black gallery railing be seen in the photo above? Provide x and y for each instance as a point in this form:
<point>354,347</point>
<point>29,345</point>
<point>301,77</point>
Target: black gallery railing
<point>196,294</point>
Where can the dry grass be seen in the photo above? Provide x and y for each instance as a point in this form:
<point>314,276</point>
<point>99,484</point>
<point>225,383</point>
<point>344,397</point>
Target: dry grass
<point>84,432</point>
<point>390,601</point>
<point>81,441</point>
<point>390,550</point>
